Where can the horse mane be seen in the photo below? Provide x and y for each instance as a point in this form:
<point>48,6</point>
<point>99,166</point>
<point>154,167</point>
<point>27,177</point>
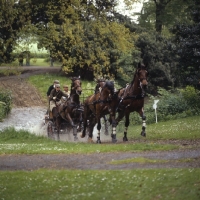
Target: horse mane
<point>110,85</point>
<point>75,78</point>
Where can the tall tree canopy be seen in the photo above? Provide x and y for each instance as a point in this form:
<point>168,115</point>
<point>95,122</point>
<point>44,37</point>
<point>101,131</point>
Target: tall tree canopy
<point>163,14</point>
<point>83,35</point>
<point>188,46</point>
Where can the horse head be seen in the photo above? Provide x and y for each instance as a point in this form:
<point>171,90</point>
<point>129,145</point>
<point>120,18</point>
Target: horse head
<point>107,90</point>
<point>142,75</point>
<point>76,85</point>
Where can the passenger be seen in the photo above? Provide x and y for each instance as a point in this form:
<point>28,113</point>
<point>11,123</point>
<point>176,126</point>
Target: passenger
<point>66,90</point>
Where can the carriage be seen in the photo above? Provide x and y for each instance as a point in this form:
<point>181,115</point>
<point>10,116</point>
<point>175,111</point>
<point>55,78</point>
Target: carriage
<point>71,117</point>
<point>65,126</point>
<point>117,104</point>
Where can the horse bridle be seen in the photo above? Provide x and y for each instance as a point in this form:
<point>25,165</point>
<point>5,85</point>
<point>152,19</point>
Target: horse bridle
<point>104,101</point>
<point>140,81</point>
<point>76,87</point>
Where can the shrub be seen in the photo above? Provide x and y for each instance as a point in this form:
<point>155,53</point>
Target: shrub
<point>5,103</point>
<point>172,105</point>
<point>191,96</point>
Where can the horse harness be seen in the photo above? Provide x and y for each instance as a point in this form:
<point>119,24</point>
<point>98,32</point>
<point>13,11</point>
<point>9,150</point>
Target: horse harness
<point>133,97</point>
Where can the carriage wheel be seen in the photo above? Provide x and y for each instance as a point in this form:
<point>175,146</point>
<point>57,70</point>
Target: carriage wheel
<point>50,129</point>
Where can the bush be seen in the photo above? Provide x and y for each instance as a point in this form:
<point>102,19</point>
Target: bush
<point>172,105</point>
<point>5,103</point>
<point>191,96</point>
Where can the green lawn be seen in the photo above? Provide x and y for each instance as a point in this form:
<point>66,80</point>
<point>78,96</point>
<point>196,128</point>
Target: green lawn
<point>145,184</point>
<point>15,142</point>
<point>33,62</point>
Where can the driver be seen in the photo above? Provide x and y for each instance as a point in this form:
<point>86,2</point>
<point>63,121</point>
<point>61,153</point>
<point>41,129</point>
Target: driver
<point>51,87</point>
<point>55,96</point>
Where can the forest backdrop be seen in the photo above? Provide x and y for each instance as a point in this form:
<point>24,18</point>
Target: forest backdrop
<point>91,38</point>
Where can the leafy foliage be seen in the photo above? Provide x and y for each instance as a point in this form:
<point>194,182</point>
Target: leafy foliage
<point>5,103</point>
<point>163,14</point>
<point>173,104</point>
<point>188,40</point>
<point>84,37</point>
<point>159,53</point>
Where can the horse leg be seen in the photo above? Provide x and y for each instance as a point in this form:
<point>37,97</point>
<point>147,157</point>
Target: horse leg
<point>70,119</point>
<point>80,123</point>
<point>85,121</point>
<point>120,116</point>
<point>113,135</point>
<point>58,124</point>
<point>98,128</point>
<point>90,130</point>
<point>73,126</point>
<point>75,133</point>
<point>106,125</point>
<point>127,122</point>
<point>143,133</point>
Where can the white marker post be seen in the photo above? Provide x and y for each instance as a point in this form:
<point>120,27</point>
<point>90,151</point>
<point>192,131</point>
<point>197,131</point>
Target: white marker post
<point>154,107</point>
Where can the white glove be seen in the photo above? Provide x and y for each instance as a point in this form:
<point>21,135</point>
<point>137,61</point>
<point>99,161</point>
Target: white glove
<point>54,98</point>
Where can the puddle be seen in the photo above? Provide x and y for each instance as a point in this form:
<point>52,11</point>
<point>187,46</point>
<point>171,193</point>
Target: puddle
<point>32,120</point>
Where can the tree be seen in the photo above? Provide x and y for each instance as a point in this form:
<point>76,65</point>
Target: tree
<point>188,47</point>
<point>13,17</point>
<point>83,35</point>
<point>160,54</point>
<point>161,15</point>
<point>7,29</point>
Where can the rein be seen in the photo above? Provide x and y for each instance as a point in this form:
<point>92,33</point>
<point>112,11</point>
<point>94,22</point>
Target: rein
<point>139,96</point>
<point>133,97</point>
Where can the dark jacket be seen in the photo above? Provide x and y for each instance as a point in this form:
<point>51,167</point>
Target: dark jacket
<point>56,94</point>
<point>49,90</point>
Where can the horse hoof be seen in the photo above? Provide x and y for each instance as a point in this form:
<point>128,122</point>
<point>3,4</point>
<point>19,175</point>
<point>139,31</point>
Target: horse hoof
<point>114,140</point>
<point>98,141</point>
<point>75,138</point>
<point>82,136</point>
<point>79,130</point>
<point>143,134</point>
<point>125,139</point>
<point>90,140</point>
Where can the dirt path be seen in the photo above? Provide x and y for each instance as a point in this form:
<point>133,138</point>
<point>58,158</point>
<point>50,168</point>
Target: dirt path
<point>26,114</point>
<point>24,94</point>
<point>102,161</point>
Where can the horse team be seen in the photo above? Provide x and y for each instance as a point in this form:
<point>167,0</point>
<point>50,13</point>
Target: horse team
<point>117,104</point>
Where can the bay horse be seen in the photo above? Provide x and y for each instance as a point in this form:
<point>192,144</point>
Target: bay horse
<point>132,99</point>
<point>71,110</point>
<point>97,106</point>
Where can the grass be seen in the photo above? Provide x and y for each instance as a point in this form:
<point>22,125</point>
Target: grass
<point>19,142</point>
<point>42,83</point>
<point>42,62</point>
<point>33,62</point>
<point>137,160</point>
<point>146,184</point>
<point>184,128</point>
<point>23,142</point>
<point>14,68</point>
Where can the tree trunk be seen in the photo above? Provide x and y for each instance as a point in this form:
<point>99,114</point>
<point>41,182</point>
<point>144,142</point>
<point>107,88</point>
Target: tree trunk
<point>160,12</point>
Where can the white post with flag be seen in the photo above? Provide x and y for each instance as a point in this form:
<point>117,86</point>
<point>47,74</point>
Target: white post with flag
<point>154,107</point>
